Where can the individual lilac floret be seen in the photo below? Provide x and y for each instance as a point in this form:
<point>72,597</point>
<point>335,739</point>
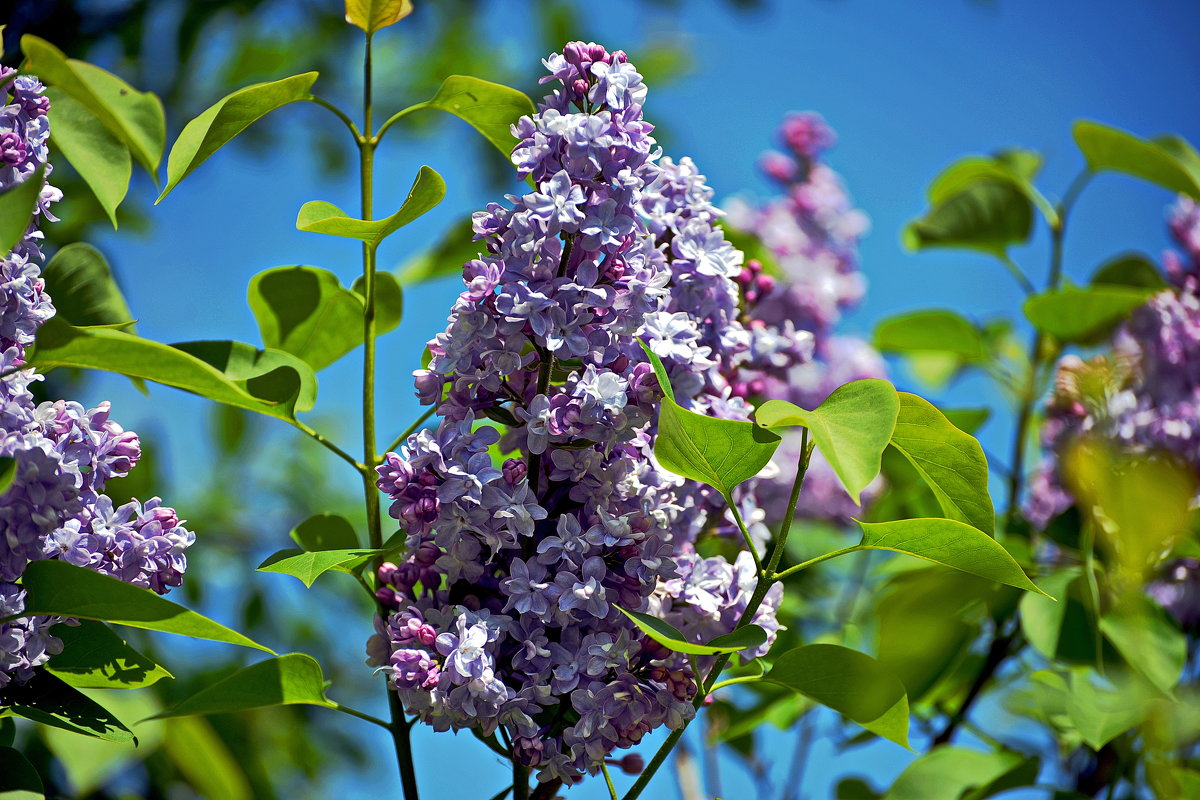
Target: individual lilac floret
<point>534,537</point>
<point>63,455</point>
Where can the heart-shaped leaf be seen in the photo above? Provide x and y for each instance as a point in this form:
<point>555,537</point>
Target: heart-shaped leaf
<point>318,216</point>
<point>100,158</point>
<point>228,117</point>
<point>851,428</point>
<point>19,779</point>
<point>490,108</point>
<point>1083,315</point>
<point>849,682</point>
<point>325,532</point>
<point>933,331</point>
<point>308,566</point>
<point>58,589</point>
<point>371,15</point>
<point>1159,162</point>
<point>951,773</point>
<point>46,699</point>
<point>292,679</point>
<point>85,293</point>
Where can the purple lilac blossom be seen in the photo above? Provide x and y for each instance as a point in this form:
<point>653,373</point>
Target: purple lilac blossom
<point>811,232</point>
<point>513,621</point>
<point>63,454</point>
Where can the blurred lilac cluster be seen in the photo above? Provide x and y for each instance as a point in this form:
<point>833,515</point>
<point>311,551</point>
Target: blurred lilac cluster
<point>811,233</point>
<point>504,613</point>
<point>1142,394</point>
<point>60,454</point>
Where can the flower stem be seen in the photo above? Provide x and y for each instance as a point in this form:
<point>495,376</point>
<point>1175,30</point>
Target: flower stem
<point>520,787</point>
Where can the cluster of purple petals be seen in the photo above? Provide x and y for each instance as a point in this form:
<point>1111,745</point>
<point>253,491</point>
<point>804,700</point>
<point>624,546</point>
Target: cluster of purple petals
<point>63,454</point>
<point>811,230</point>
<point>504,613</point>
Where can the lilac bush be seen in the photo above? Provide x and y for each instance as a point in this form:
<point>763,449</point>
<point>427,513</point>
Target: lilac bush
<point>811,232</point>
<point>504,613</point>
<point>63,455</point>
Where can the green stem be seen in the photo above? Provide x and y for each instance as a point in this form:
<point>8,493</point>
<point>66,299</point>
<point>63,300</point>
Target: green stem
<point>349,123</point>
<point>612,790</point>
<point>732,681</point>
<point>760,592</point>
<point>352,712</point>
<point>401,728</point>
<point>520,774</point>
<point>333,448</point>
<point>792,570</point>
<point>737,517</point>
<point>410,430</point>
<point>399,115</point>
<point>1018,275</point>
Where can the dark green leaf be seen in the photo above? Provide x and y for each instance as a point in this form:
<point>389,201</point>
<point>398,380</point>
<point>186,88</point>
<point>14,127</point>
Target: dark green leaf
<point>305,311</point>
<point>18,778</point>
<point>744,638</point>
<point>1130,269</point>
<point>17,205</point>
<point>84,291</point>
<point>228,117</point>
<point>271,382</point>
<point>389,300</point>
<point>668,636</point>
<point>1083,315</point>
<point>50,701</point>
<point>967,420</point>
<point>308,566</point>
<point>321,217</point>
<point>932,331</point>
<point>950,462</point>
<point>59,589</point>
<point>951,773</point>
<point>988,215</point>
<point>136,118</point>
<point>325,532</point>
<point>489,108</point>
<point>100,158</point>
<point>948,542</point>
<point>95,657</point>
<point>851,428</point>
<point>1108,148</point>
<point>849,682</point>
<point>371,15</point>
<point>292,679</point>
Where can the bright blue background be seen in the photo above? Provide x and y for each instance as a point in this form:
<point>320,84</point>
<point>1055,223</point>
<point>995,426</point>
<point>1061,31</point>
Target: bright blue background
<point>908,86</point>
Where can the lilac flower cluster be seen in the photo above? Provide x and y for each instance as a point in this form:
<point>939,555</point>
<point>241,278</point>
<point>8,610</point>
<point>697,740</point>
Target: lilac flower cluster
<point>1144,393</point>
<point>811,232</point>
<point>62,455</point>
<point>504,613</point>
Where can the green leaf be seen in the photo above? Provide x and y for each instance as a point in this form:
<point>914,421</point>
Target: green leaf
<point>228,117</point>
<point>307,312</point>
<point>1147,638</point>
<point>8,472</point>
<point>58,589</point>
<point>851,428</point>
<point>292,679</point>
<point>967,420</point>
<point>95,657</point>
<point>325,532</point>
<point>50,701</point>
<point>951,773</point>
<point>668,636</point>
<point>489,108</point>
<point>1101,713</point>
<point>950,462</point>
<point>948,542</point>
<point>456,247</point>
<point>17,205</point>
<point>1042,619</point>
<point>985,210</point>
<point>204,759</point>
<point>1083,315</point>
<point>308,566</point>
<point>1108,148</point>
<point>718,452</point>
<point>849,682</point>
<point>80,281</point>
<point>18,778</point>
<point>318,216</point>
<point>933,331</point>
<point>371,15</point>
<point>100,158</point>
<point>389,300</point>
<point>271,382</point>
<point>136,118</point>
<point>1130,269</point>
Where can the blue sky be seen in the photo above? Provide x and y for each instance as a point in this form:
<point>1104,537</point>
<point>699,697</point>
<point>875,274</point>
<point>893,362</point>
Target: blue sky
<point>908,86</point>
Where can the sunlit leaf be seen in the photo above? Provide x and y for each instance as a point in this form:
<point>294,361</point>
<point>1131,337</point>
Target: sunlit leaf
<point>95,657</point>
<point>1147,638</point>
<point>954,773</point>
<point>669,637</point>
<point>307,566</point>
<point>950,462</point>
<point>48,700</point>
<point>934,331</point>
<point>371,15</point>
<point>325,532</point>
<point>1083,315</point>
<point>292,679</point>
<point>318,216</point>
<point>201,756</point>
<point>489,108</point>
<point>950,543</point>
<point>136,118</point>
<point>851,428</point>
<point>85,293</point>
<point>849,682</point>
<point>58,589</point>
<point>1131,269</point>
<point>225,119</point>
<point>100,158</point>
<point>1108,148</point>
